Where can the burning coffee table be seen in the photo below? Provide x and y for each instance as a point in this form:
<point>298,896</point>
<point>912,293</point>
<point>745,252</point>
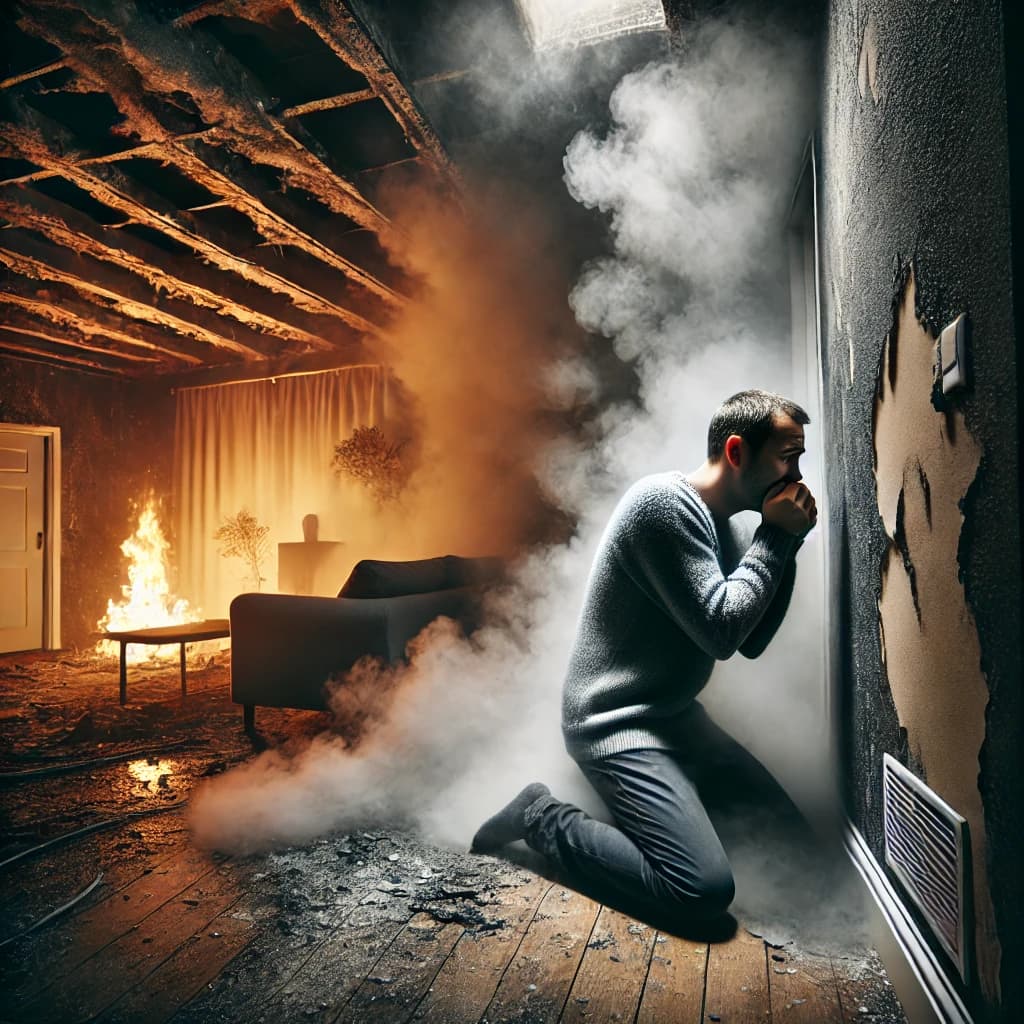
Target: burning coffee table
<point>183,633</point>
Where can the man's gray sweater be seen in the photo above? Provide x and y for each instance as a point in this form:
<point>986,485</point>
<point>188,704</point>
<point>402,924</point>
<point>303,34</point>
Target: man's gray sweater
<point>667,596</point>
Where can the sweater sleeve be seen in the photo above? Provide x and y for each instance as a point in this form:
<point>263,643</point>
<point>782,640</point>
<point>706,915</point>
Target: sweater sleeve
<point>669,550</point>
<point>768,625</point>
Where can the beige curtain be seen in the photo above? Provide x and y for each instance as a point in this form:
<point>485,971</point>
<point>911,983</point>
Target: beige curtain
<point>265,446</point>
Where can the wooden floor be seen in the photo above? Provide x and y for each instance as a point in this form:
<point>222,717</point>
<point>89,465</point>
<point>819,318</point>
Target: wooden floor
<point>343,932</point>
<point>365,928</point>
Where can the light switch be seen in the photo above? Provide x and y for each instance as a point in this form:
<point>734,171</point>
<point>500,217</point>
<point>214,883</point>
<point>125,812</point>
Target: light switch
<point>953,343</point>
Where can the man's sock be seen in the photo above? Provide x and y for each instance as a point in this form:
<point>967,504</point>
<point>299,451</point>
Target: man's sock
<point>509,824</point>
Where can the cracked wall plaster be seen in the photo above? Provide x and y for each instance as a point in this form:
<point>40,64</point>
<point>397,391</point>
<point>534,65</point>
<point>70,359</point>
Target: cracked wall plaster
<point>867,61</point>
<point>924,176</point>
<point>925,461</point>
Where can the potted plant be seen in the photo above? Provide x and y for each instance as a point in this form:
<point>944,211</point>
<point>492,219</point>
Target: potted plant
<point>242,536</point>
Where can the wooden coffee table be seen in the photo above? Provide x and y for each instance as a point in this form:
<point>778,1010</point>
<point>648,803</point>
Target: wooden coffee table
<point>183,633</point>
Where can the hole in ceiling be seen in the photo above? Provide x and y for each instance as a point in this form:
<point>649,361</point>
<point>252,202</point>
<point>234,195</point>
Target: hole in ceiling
<point>454,108</point>
<point>177,111</point>
<point>235,229</point>
<point>21,52</point>
<point>310,215</point>
<point>363,249</point>
<point>360,136</point>
<point>316,277</point>
<point>288,59</point>
<point>168,181</point>
<point>11,167</point>
<point>88,116</point>
<point>65,192</point>
<point>157,238</point>
<point>555,23</point>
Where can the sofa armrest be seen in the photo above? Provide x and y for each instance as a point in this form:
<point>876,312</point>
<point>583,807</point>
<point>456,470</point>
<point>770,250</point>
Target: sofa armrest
<point>409,615</point>
<point>285,647</point>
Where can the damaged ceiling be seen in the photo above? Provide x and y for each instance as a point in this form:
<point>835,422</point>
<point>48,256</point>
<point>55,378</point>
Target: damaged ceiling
<point>191,186</point>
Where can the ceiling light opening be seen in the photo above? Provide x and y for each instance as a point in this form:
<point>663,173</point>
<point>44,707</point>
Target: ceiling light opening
<point>558,23</point>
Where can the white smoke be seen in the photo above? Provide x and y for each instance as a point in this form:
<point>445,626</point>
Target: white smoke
<point>694,176</point>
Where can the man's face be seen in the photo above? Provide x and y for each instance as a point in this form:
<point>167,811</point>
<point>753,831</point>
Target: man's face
<point>776,461</point>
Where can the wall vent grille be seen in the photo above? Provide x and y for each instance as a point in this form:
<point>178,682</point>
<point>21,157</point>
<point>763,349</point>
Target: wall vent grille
<point>928,849</point>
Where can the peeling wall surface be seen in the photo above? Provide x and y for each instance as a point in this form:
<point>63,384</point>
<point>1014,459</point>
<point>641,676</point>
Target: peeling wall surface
<point>115,450</point>
<point>924,490</point>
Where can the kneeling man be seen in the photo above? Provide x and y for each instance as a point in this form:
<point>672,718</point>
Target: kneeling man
<point>672,589</point>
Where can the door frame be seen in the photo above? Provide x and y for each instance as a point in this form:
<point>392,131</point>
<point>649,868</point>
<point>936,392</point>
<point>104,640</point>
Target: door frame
<point>51,527</point>
<point>808,359</point>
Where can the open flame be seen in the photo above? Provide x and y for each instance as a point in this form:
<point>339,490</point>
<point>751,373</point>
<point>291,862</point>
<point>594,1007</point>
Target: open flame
<point>146,598</point>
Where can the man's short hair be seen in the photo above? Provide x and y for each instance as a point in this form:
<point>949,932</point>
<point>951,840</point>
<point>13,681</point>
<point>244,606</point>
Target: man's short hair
<point>751,414</point>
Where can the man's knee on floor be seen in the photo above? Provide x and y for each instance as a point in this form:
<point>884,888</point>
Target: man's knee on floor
<point>705,895</point>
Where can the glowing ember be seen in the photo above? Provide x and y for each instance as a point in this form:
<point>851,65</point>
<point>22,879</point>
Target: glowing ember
<point>150,772</point>
<point>146,597</point>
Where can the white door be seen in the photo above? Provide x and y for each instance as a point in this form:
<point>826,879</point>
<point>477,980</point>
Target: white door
<point>22,483</point>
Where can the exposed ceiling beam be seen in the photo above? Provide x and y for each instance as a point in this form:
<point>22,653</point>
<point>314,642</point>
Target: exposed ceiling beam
<point>345,99</point>
<point>108,186</point>
<point>11,348</point>
<point>388,166</point>
<point>276,229</point>
<point>130,308</point>
<point>146,67</point>
<point>78,322</point>
<point>172,311</point>
<point>227,9</point>
<point>147,149</point>
<point>27,76</point>
<point>335,24</point>
<point>76,346</point>
<point>154,149</point>
<point>65,226</point>
<point>348,99</point>
<point>164,271</point>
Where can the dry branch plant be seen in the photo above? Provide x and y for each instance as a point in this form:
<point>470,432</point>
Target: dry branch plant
<point>371,460</point>
<point>242,536</point>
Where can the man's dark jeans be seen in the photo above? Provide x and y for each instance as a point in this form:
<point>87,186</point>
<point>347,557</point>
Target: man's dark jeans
<point>663,856</point>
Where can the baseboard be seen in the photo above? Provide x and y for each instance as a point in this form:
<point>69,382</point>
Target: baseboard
<point>927,995</point>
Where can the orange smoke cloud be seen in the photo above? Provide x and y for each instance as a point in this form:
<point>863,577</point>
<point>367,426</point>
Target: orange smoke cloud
<point>476,348</point>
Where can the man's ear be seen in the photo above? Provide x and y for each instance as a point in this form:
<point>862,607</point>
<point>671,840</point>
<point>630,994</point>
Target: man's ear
<point>734,450</point>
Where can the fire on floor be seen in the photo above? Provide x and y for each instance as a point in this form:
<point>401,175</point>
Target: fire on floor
<point>112,914</point>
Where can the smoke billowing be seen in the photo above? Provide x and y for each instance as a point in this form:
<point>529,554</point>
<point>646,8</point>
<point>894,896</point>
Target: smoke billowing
<point>474,348</point>
<point>693,178</point>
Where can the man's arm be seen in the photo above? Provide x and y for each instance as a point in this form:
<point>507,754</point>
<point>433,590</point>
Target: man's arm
<point>762,634</point>
<point>670,554</point>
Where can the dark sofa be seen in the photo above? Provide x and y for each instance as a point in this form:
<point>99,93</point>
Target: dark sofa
<point>285,647</point>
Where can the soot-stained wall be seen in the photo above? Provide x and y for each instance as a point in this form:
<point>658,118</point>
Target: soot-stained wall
<point>116,448</point>
<point>915,228</point>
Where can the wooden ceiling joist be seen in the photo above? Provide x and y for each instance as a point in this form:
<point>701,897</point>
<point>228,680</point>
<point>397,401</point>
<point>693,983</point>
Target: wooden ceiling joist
<point>275,228</point>
<point>227,9</point>
<point>37,353</point>
<point>170,310</point>
<point>146,149</point>
<point>140,55</point>
<point>108,186</point>
<point>175,215</point>
<point>27,76</point>
<point>77,322</point>
<point>170,273</point>
<point>345,99</point>
<point>130,309</point>
<point>77,346</point>
<point>336,26</point>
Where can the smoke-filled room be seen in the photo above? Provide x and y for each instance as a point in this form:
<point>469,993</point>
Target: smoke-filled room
<point>470,551</point>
